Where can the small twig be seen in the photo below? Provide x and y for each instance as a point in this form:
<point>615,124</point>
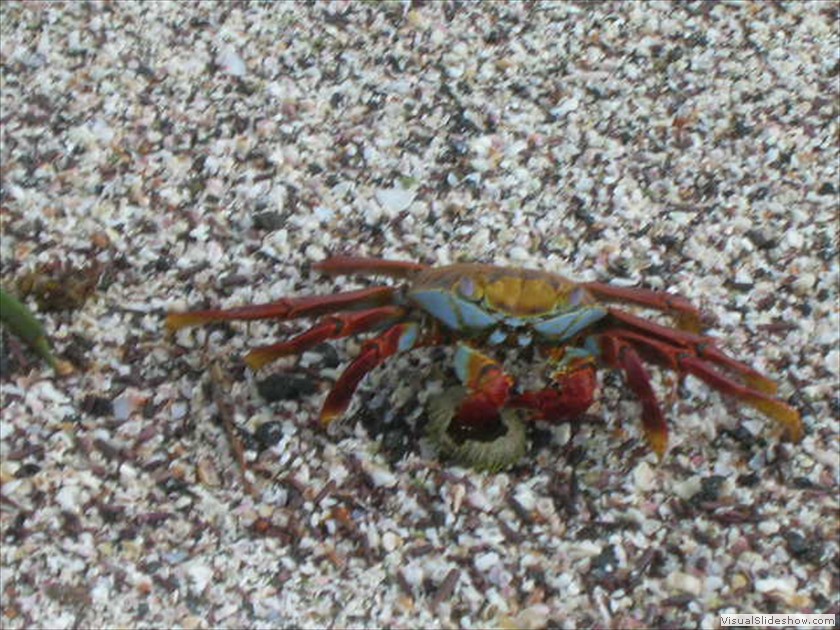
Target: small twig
<point>220,383</point>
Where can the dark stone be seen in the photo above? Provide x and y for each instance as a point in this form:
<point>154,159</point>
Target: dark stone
<point>286,387</point>
<point>269,433</point>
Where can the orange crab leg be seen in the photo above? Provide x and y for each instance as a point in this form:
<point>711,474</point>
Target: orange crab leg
<point>783,413</point>
<point>687,315</point>
<point>618,353</point>
<point>288,308</point>
<point>398,338</point>
<point>347,265</point>
<point>331,327</point>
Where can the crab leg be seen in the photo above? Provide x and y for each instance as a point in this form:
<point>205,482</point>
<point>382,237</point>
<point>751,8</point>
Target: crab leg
<point>398,338</point>
<point>288,308</point>
<point>703,346</point>
<point>781,412</point>
<point>686,314</point>
<point>347,265</point>
<point>693,361</point>
<point>618,353</point>
<point>683,353</point>
<point>331,327</point>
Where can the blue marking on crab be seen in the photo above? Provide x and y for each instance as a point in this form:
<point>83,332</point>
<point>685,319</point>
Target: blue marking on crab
<point>438,305</point>
<point>454,312</point>
<point>572,354</point>
<point>474,317</point>
<point>497,337</point>
<point>461,362</point>
<point>568,325</point>
<point>591,347</point>
<point>408,338</point>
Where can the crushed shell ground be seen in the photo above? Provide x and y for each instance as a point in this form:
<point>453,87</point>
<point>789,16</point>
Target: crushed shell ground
<point>207,154</point>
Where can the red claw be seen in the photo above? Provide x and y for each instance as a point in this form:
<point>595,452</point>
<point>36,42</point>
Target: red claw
<point>571,394</point>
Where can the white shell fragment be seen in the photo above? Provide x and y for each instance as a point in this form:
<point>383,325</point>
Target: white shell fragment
<point>394,200</point>
<point>230,62</point>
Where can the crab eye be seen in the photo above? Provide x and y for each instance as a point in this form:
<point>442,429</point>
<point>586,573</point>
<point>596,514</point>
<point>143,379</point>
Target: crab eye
<point>468,288</point>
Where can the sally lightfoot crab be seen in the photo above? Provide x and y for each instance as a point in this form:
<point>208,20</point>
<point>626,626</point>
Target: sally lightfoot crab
<point>483,309</point>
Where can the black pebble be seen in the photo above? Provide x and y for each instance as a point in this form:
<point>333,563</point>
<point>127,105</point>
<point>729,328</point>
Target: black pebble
<point>286,387</point>
<point>269,433</point>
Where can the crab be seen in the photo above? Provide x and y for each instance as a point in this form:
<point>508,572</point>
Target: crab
<point>484,309</point>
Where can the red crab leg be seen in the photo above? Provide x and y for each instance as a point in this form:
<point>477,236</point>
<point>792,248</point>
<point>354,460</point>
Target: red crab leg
<point>347,265</point>
<point>570,395</point>
<point>398,338</point>
<point>288,308</point>
<point>620,354</point>
<point>687,315</point>
<point>331,327</point>
<point>704,347</point>
<point>698,359</point>
<point>783,413</point>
